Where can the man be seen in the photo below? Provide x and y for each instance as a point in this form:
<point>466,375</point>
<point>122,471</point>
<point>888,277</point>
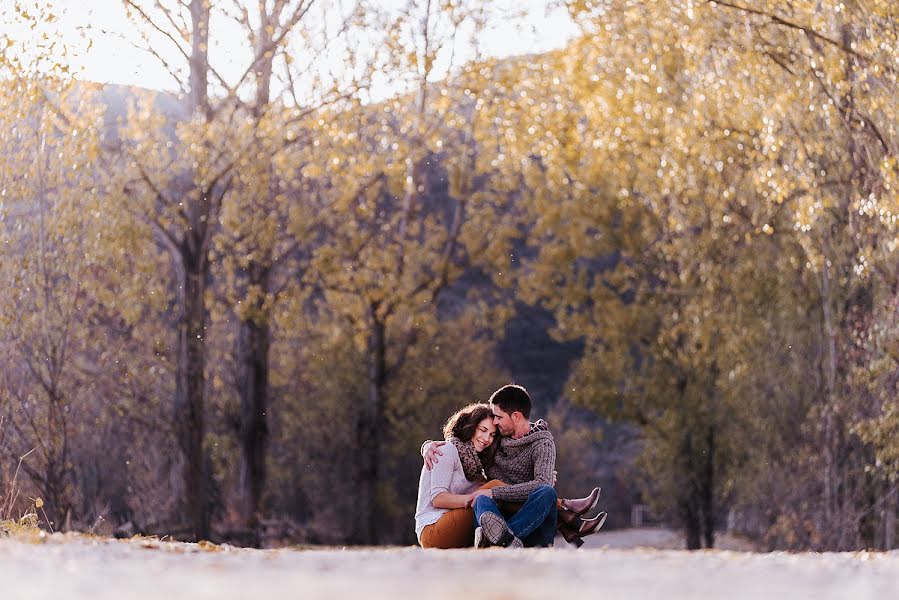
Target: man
<point>525,460</point>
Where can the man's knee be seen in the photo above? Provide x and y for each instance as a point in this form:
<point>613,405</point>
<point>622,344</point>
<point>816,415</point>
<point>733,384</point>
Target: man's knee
<point>481,503</point>
<point>546,493</point>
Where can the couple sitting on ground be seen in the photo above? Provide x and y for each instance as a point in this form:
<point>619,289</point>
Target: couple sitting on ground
<point>518,506</point>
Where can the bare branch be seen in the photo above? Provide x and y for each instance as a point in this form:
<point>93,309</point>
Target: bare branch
<point>181,28</point>
<point>242,17</point>
<point>149,21</point>
<point>294,19</point>
<point>172,71</point>
<point>807,30</point>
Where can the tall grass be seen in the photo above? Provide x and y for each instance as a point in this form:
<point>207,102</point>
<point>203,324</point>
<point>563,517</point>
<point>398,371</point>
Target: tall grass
<point>26,522</point>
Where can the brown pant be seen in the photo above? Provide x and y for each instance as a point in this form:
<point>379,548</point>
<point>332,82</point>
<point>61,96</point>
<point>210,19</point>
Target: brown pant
<point>455,529</point>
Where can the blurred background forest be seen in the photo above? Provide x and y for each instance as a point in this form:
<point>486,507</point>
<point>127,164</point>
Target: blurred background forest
<point>234,311</point>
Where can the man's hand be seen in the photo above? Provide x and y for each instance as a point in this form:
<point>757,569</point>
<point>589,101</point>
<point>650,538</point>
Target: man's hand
<point>555,476</point>
<point>432,453</point>
<point>474,496</point>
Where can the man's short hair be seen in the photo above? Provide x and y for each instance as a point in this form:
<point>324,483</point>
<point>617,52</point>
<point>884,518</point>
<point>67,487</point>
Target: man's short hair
<point>511,398</point>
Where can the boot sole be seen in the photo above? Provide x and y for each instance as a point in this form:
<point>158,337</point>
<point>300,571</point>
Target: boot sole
<point>494,528</point>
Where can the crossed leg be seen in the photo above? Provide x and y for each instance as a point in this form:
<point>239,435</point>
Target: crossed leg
<point>534,523</point>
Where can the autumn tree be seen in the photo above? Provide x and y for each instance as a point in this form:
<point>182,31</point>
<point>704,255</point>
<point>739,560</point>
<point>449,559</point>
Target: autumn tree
<point>702,129</point>
<point>65,271</point>
<point>270,218</point>
<point>834,157</point>
<point>221,152</point>
<point>44,174</point>
<point>415,203</point>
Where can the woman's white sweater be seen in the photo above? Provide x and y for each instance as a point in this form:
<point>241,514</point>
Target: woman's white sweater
<point>446,476</point>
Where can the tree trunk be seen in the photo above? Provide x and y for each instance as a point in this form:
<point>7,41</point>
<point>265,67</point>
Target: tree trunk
<point>708,491</point>
<point>692,522</point>
<point>691,500</point>
<point>889,519</point>
<point>190,383</point>
<point>254,335</point>
<point>55,498</point>
<point>199,56</point>
<point>53,508</point>
<point>371,431</point>
<point>189,395</point>
<point>830,376</point>
<point>254,341</point>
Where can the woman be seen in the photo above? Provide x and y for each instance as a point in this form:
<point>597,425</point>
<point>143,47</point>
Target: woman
<point>443,516</point>
<point>446,492</point>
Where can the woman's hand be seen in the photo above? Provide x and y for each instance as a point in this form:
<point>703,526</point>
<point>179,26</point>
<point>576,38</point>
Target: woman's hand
<point>474,496</point>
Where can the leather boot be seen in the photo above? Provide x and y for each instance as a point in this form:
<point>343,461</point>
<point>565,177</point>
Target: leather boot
<point>566,517</point>
<point>570,535</point>
<point>591,526</point>
<point>580,506</point>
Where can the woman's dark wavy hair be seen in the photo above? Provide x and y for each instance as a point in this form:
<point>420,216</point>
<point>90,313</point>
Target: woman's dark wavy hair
<point>464,422</point>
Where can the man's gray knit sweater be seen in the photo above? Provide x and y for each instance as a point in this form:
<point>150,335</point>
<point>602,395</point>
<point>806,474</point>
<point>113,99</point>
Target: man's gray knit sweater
<point>524,464</point>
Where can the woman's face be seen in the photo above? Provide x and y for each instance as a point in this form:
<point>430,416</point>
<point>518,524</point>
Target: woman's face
<point>484,434</point>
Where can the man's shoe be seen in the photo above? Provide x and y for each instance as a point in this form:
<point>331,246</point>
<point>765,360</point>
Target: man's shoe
<point>580,506</point>
<point>495,529</point>
<point>576,530</point>
<point>480,540</point>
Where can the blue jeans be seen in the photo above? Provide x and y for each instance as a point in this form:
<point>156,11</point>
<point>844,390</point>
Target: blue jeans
<point>534,523</point>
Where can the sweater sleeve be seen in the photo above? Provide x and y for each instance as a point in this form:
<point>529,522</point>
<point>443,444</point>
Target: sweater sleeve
<point>544,464</point>
<point>442,474</point>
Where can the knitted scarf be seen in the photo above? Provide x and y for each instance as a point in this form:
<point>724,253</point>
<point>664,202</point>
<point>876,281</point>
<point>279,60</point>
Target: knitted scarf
<point>471,462</point>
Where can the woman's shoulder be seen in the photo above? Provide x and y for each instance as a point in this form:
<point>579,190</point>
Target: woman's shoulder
<point>449,456</point>
<point>449,450</point>
<point>448,460</point>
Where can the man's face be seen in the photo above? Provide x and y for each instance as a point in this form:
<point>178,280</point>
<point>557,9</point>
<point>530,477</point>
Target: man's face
<point>503,421</point>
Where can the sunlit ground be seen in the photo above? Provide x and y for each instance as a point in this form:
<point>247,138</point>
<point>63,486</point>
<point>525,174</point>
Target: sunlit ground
<point>78,568</point>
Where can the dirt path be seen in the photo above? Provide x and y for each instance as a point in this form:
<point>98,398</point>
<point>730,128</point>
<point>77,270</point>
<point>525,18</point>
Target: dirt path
<point>660,539</point>
<point>72,568</point>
